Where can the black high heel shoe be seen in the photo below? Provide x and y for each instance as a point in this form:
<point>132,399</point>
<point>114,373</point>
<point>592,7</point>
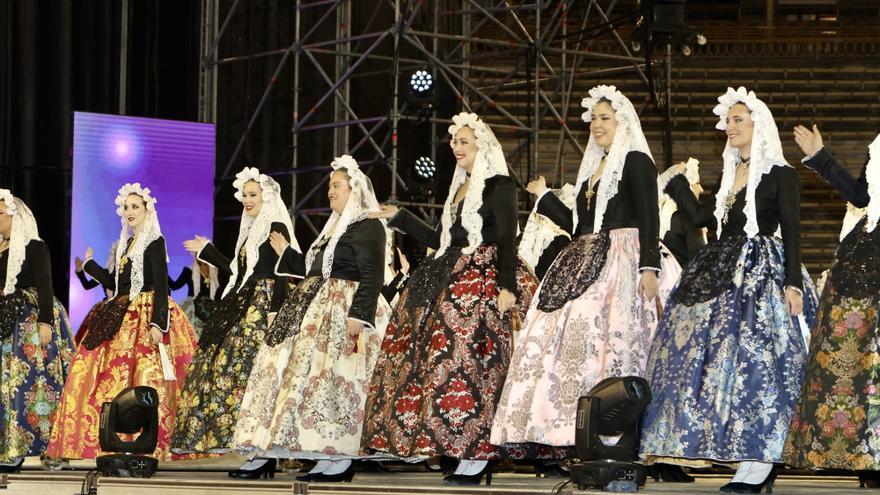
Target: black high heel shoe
<point>13,467</point>
<point>470,479</point>
<point>765,486</point>
<point>550,470</point>
<point>345,476</point>
<point>267,470</point>
<point>669,473</point>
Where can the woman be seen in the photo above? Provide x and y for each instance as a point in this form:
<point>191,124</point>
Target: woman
<point>836,423</point>
<point>89,284</point>
<point>211,398</point>
<point>542,240</point>
<point>121,348</point>
<point>306,394</point>
<point>36,337</point>
<point>595,311</point>
<point>447,347</point>
<point>727,362</point>
<point>202,283</point>
<point>677,233</point>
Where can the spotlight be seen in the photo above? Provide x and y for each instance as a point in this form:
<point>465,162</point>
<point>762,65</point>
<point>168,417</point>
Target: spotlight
<point>613,410</point>
<point>636,46</point>
<point>421,81</point>
<point>686,50</point>
<point>701,40</point>
<point>425,167</point>
<point>134,410</point>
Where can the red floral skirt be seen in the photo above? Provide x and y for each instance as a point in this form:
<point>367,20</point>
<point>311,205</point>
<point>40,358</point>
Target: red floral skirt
<point>444,360</point>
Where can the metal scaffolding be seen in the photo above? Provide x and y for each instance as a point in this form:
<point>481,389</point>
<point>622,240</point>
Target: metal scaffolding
<point>516,63</point>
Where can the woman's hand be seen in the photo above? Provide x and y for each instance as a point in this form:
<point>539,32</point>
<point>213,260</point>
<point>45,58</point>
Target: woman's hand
<point>278,242</point>
<point>506,300</point>
<point>45,334</point>
<point>404,263</point>
<point>794,301</point>
<point>385,211</point>
<point>196,245</point>
<point>156,335</point>
<point>537,186</point>
<point>808,141</point>
<point>648,284</point>
<point>78,264</point>
<point>89,253</point>
<point>354,329</point>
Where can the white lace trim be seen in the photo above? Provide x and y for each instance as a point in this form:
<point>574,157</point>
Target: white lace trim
<point>24,230</point>
<point>852,217</point>
<point>253,232</point>
<point>667,205</point>
<point>150,231</point>
<point>872,174</point>
<point>628,137</point>
<point>488,163</point>
<point>766,153</point>
<point>361,200</point>
<point>213,277</point>
<point>540,231</point>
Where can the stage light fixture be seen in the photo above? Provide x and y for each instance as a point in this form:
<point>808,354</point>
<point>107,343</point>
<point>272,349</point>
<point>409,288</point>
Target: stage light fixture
<point>425,167</point>
<point>607,434</point>
<point>134,410</point>
<point>421,81</point>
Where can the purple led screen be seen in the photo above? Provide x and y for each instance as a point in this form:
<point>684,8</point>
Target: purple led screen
<point>174,159</point>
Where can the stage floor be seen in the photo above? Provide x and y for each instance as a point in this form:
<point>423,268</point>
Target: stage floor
<point>68,482</point>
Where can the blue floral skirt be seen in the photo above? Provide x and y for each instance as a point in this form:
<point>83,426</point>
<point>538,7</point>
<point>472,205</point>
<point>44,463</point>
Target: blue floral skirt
<point>727,362</point>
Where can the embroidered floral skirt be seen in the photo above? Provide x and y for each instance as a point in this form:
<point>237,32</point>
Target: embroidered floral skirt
<point>443,361</point>
<point>604,331</point>
<point>198,310</point>
<point>837,422</point>
<point>305,396</point>
<point>218,375</point>
<point>127,359</point>
<point>32,375</point>
<point>727,362</point>
<point>84,326</point>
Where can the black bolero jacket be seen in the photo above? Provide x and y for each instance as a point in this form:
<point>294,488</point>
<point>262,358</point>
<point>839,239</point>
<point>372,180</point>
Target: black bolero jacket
<point>634,205</point>
<point>683,239</point>
<point>36,272</point>
<point>155,279</point>
<point>360,257</point>
<point>499,212</point>
<point>777,204</point>
<point>264,268</point>
<point>853,190</point>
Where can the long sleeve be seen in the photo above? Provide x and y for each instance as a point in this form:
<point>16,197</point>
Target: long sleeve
<point>279,292</point>
<point>87,283</point>
<point>155,262</point>
<point>698,214</point>
<point>853,190</point>
<point>641,174</point>
<point>393,287</point>
<point>789,207</point>
<point>100,274</point>
<point>183,280</point>
<point>553,208</point>
<point>504,208</point>
<point>370,259</point>
<point>212,256</point>
<point>291,263</point>
<point>37,254</point>
<point>411,225</point>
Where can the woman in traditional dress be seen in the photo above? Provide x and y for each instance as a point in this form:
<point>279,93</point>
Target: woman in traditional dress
<point>37,342</point>
<point>202,284</point>
<point>837,421</point>
<point>727,362</point>
<point>89,284</point>
<point>595,313</point>
<point>212,396</point>
<point>542,240</point>
<point>306,394</point>
<point>121,348</point>
<point>677,233</point>
<point>447,347</point>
